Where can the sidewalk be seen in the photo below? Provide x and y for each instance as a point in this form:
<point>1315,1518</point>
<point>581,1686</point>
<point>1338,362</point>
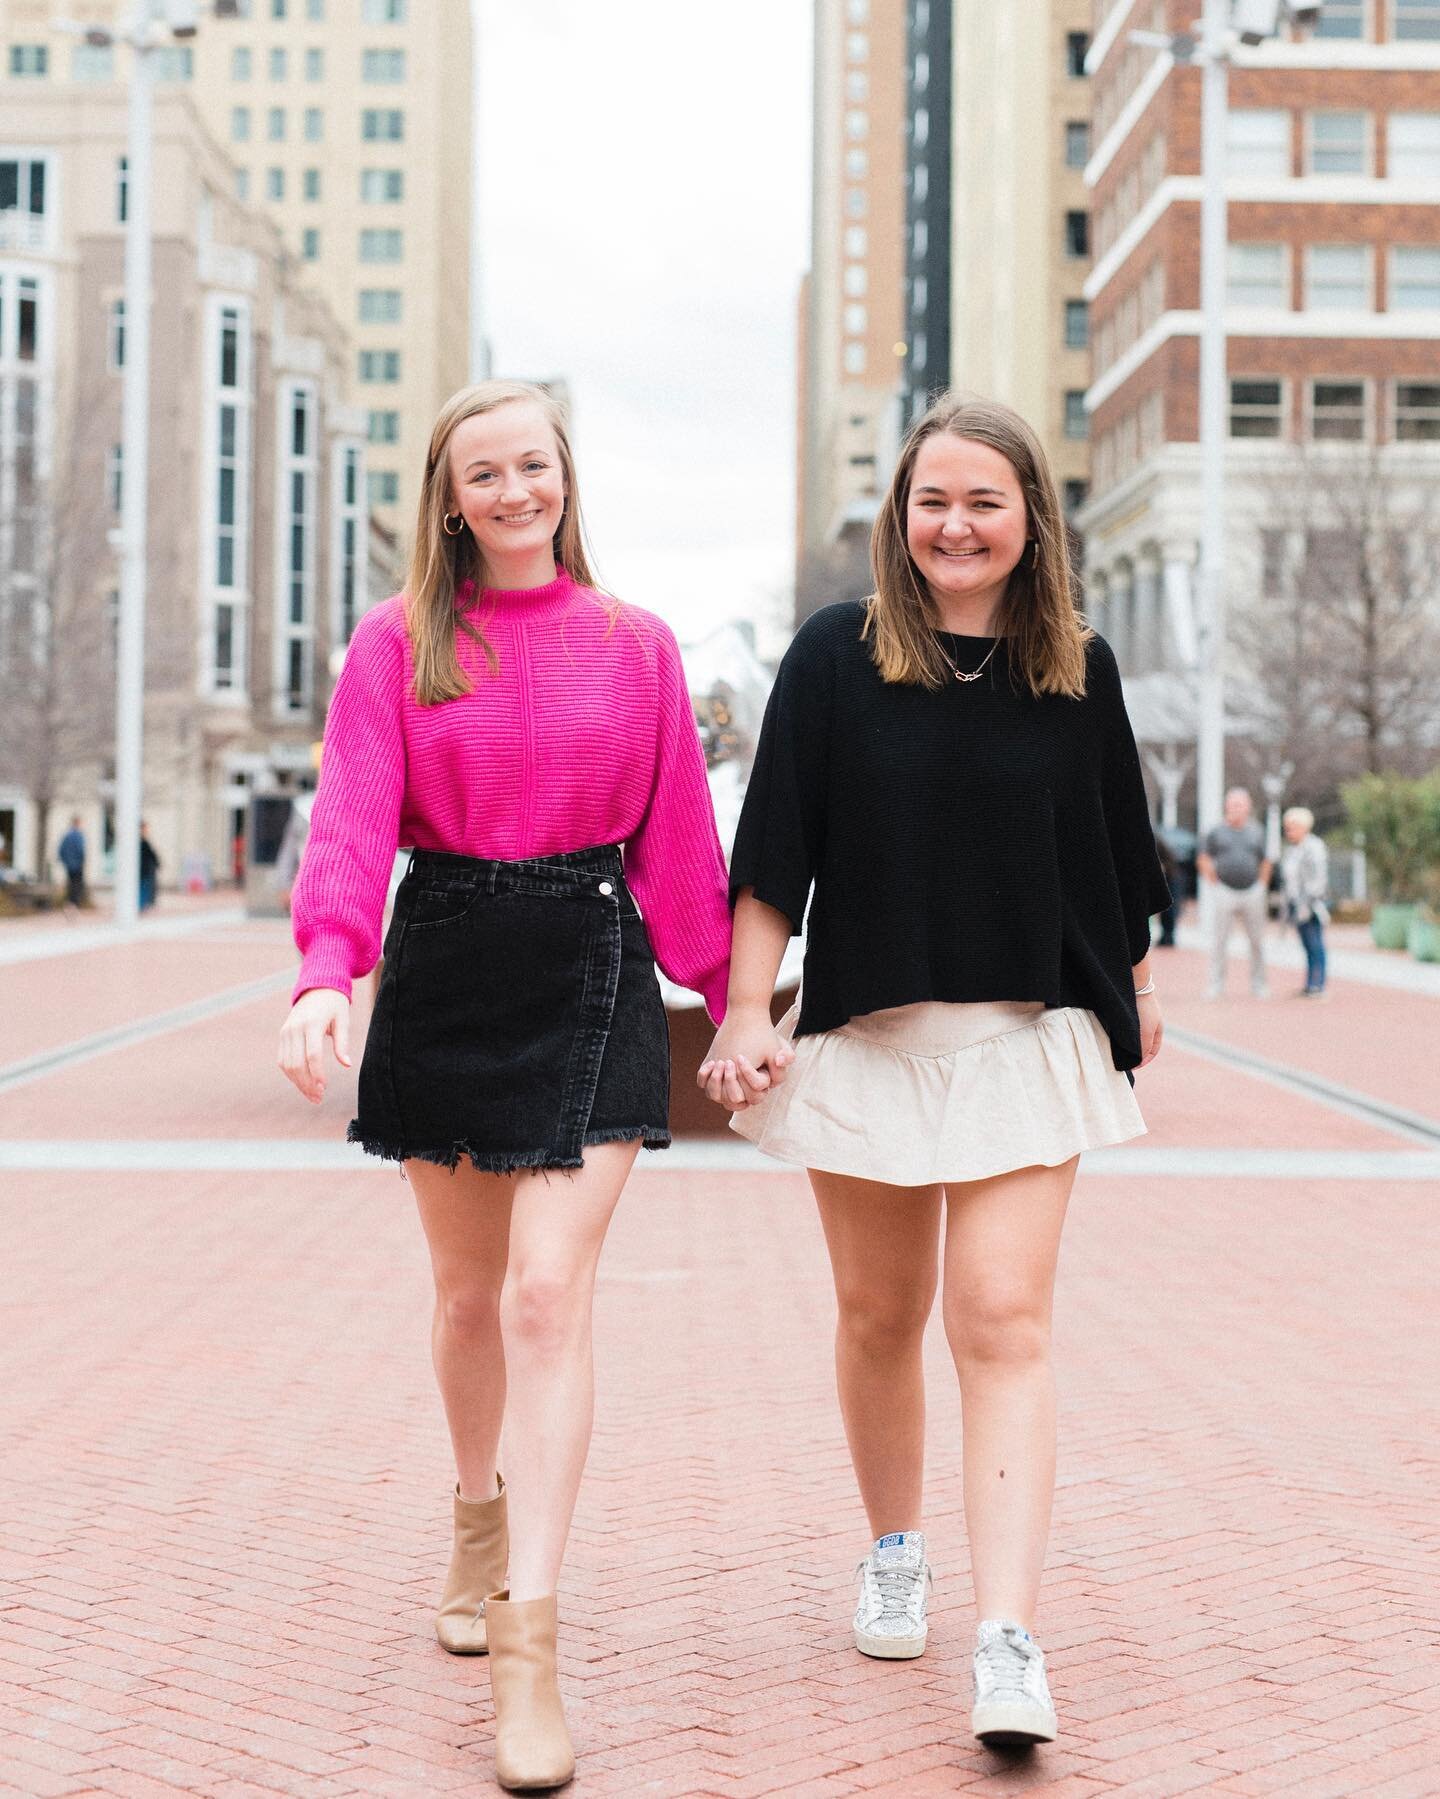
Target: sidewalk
<point>225,1471</point>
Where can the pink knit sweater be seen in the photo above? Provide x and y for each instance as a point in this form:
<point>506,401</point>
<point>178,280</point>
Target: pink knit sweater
<point>586,736</point>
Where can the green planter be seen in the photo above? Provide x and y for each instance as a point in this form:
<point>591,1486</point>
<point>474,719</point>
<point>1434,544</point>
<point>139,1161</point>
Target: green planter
<point>1390,926</point>
<point>1423,938</point>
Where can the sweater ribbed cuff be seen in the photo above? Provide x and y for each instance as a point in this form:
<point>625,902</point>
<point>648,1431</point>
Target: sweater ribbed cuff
<point>326,964</point>
<point>713,988</point>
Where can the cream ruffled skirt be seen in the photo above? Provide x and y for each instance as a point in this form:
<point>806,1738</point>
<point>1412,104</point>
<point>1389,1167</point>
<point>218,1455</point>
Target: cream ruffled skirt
<point>934,1092</point>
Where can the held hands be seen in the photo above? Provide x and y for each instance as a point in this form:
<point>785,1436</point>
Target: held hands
<point>1152,1028</point>
<point>316,1015</point>
<point>747,1058</point>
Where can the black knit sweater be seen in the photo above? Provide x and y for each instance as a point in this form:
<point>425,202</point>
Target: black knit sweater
<point>971,844</point>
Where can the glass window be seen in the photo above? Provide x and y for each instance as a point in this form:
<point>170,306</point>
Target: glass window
<point>382,65</point>
<point>1077,420</point>
<point>378,185</point>
<point>1256,408</point>
<point>116,348</point>
<point>1415,146</point>
<point>857,46</point>
<point>1342,18</point>
<point>857,203</point>
<point>857,164</point>
<point>383,12</point>
<point>1077,48</point>
<point>314,125</point>
<point>92,62</point>
<point>274,184</point>
<point>920,183</point>
<point>857,240</point>
<point>229,348</point>
<point>311,187</point>
<point>857,280</point>
<point>1077,324</point>
<point>1417,411</point>
<point>384,125</point>
<point>1337,411</point>
<point>315,11</point>
<point>1339,143</point>
<point>1337,277</point>
<point>1076,494</point>
<point>1258,275</point>
<point>856,317</point>
<point>857,12</point>
<point>115,476</point>
<point>1257,141</point>
<point>240,124</point>
<point>1077,143</point>
<point>857,122</point>
<point>1077,233</point>
<point>381,246</point>
<point>277,9</point>
<point>241,63</point>
<point>29,60</point>
<point>920,127</point>
<point>275,124</point>
<point>383,486</point>
<point>314,65</point>
<point>919,295</point>
<point>857,86</point>
<point>920,77</point>
<point>174,62</point>
<point>1414,279</point>
<point>242,184</point>
<point>854,359</point>
<point>279,65</point>
<point>310,244</point>
<point>384,427</point>
<point>122,188</point>
<point>1416,21</point>
<point>379,305</point>
<point>379,365</point>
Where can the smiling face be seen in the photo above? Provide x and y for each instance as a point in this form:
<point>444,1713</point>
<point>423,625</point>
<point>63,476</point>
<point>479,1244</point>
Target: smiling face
<point>507,481</point>
<point>965,524</point>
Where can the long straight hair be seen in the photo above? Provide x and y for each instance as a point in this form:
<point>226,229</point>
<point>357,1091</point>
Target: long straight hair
<point>447,574</point>
<point>1045,633</point>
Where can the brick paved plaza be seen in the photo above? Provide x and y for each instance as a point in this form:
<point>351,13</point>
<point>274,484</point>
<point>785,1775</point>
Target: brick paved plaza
<point>225,1473</point>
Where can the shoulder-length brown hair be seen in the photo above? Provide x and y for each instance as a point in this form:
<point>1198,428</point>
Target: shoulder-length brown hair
<point>1037,614</point>
<point>442,565</point>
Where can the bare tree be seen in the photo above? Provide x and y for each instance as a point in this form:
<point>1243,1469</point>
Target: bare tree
<point>1343,640</point>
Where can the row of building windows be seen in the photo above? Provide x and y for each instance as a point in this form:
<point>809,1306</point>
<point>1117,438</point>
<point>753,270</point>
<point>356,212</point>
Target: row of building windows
<point>1337,277</point>
<point>377,66</point>
<point>378,125</point>
<point>1337,409</point>
<point>1259,141</point>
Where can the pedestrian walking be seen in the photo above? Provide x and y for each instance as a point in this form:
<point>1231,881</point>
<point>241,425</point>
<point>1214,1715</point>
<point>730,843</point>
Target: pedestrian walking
<point>517,727</point>
<point>1305,872</point>
<point>1232,860</point>
<point>950,767</point>
<point>149,870</point>
<point>71,854</point>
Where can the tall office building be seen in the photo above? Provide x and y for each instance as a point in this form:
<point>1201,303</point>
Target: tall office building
<point>929,153</point>
<point>1019,231</point>
<point>851,310</point>
<point>349,122</point>
<point>1332,311</point>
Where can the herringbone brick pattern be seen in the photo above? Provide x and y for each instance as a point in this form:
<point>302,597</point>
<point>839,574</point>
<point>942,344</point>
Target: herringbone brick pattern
<point>225,1508</point>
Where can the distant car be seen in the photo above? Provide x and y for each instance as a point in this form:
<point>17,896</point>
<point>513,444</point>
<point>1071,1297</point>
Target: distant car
<point>1182,845</point>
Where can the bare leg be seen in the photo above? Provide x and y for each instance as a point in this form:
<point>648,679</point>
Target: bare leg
<point>884,1244</point>
<point>1002,1242</point>
<point>466,1217</point>
<point>557,1229</point>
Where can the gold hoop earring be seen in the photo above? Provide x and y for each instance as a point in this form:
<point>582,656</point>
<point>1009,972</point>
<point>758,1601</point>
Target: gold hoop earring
<point>459,518</point>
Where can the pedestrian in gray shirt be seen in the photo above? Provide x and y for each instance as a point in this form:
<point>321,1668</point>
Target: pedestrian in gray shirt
<point>1232,859</point>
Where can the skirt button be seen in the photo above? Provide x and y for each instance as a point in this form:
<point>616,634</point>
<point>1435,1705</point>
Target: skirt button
<point>606,889</point>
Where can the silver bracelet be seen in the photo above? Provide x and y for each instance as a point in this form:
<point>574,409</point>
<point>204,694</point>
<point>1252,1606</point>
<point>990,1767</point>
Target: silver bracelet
<point>1149,987</point>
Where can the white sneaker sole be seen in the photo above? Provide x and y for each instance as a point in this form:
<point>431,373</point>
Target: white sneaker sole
<point>889,1649</point>
<point>1012,1723</point>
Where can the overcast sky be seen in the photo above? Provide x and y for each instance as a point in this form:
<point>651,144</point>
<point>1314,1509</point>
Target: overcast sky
<point>645,171</point>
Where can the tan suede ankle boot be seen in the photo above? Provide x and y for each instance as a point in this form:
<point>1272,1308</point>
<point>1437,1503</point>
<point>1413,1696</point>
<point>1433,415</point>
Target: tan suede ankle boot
<point>478,1565</point>
<point>532,1744</point>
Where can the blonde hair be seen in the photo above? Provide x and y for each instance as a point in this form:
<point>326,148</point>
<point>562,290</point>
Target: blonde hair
<point>1300,815</point>
<point>441,565</point>
<point>1037,612</point>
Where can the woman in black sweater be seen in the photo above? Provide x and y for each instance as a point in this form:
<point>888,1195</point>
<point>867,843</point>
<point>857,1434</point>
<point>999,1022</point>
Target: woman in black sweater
<point>949,770</point>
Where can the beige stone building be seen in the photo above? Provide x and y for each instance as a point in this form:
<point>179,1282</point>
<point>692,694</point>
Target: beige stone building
<point>851,313</point>
<point>261,556</point>
<point>1019,228</point>
<point>349,123</point>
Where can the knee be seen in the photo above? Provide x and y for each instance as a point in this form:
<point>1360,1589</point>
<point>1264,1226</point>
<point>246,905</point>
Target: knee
<point>879,1324</point>
<point>543,1309</point>
<point>468,1311</point>
<point>998,1328</point>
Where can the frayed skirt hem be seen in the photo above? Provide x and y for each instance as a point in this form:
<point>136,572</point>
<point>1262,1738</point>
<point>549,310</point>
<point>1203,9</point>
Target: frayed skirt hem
<point>504,1161</point>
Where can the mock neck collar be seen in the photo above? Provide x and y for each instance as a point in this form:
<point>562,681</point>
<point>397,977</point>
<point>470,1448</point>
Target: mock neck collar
<point>519,602</point>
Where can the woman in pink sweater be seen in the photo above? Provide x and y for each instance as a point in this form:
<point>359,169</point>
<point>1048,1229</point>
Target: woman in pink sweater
<point>516,727</point>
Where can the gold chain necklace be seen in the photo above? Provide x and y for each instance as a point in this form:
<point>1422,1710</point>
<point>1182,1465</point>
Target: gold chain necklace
<point>959,673</point>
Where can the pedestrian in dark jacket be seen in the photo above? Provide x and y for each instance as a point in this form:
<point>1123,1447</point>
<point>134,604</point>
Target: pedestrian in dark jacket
<point>72,859</point>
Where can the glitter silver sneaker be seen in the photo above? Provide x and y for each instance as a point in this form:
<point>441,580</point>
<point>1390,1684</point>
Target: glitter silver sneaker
<point>894,1580</point>
<point>1013,1707</point>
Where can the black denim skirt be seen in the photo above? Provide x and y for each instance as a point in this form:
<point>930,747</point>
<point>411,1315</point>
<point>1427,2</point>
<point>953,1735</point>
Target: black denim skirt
<point>519,1017</point>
